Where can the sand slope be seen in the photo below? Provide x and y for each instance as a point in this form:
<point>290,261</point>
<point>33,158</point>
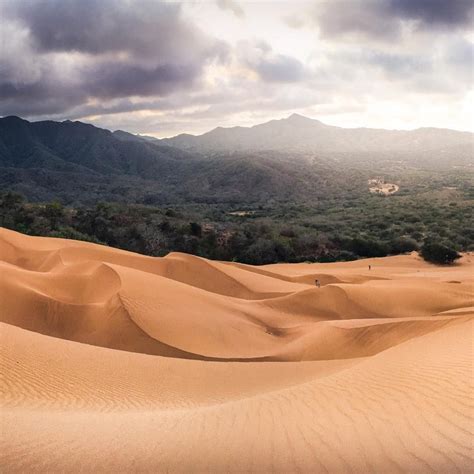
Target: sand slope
<point>113,361</point>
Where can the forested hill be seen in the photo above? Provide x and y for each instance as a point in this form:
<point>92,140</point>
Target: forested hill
<point>295,159</point>
<point>75,162</point>
<point>76,146</point>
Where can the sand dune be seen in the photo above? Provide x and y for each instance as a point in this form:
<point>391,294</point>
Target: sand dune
<point>113,361</point>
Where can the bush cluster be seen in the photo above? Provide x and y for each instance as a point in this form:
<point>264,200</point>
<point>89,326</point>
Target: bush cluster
<point>216,233</point>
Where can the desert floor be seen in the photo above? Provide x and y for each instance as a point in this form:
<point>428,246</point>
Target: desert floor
<point>117,362</point>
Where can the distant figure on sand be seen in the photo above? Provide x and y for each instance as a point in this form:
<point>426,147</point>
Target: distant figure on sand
<point>318,283</point>
<point>370,267</point>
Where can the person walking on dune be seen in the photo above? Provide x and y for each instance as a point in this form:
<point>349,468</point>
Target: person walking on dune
<point>318,283</point>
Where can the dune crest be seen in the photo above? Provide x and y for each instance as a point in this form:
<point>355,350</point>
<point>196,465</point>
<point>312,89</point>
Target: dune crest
<point>137,362</point>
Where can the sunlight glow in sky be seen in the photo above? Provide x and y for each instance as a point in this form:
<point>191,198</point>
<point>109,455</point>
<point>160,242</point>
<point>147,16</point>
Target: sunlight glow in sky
<point>163,68</point>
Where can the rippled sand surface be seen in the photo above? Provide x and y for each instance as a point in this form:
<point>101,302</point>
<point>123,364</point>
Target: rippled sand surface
<point>117,362</point>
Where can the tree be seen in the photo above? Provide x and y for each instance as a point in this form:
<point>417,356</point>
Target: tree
<point>11,205</point>
<point>195,229</point>
<point>53,211</point>
<point>439,253</point>
<point>365,247</point>
<point>403,245</point>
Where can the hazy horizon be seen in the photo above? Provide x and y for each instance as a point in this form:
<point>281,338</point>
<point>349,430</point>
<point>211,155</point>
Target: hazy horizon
<point>161,69</point>
<point>286,117</point>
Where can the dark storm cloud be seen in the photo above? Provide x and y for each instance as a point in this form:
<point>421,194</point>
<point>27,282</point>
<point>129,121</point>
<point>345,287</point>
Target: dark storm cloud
<point>385,18</point>
<point>38,98</point>
<point>111,80</point>
<point>141,27</point>
<point>450,13</point>
<point>74,51</point>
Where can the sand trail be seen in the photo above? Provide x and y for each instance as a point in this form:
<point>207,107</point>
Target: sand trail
<point>113,361</point>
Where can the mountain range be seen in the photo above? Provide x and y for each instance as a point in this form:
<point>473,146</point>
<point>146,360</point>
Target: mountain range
<point>280,159</point>
<point>302,134</point>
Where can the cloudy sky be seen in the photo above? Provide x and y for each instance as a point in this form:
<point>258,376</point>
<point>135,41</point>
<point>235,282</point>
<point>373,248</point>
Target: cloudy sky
<point>163,68</point>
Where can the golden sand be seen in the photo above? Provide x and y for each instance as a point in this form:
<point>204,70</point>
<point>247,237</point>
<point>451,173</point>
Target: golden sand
<point>117,362</point>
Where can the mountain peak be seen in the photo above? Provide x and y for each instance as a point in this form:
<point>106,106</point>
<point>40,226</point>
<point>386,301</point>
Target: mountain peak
<point>13,118</point>
<point>301,119</point>
<point>296,116</point>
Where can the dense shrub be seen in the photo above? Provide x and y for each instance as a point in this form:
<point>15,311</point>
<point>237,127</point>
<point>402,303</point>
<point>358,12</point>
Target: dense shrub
<point>403,245</point>
<point>325,231</point>
<point>439,253</point>
<point>368,247</point>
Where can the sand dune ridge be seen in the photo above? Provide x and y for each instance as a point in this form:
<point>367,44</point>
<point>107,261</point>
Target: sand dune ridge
<point>113,361</point>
